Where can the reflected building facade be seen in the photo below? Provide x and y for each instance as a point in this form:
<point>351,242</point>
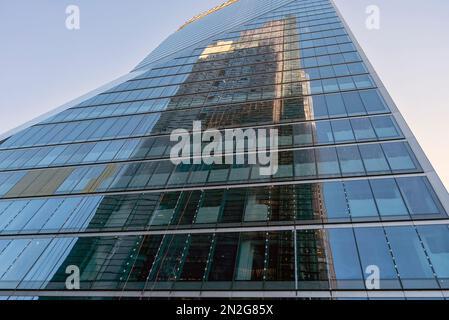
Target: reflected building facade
<point>92,187</point>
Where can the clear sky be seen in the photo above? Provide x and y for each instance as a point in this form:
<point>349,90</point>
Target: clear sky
<point>44,65</point>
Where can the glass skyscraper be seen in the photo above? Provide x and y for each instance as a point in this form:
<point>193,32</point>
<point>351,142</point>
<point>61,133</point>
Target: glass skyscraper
<point>90,187</point>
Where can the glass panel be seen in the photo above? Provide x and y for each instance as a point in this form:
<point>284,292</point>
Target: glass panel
<point>374,159</point>
<point>336,207</point>
<point>251,256</point>
<point>223,261</point>
<point>345,259</point>
<point>363,129</point>
<point>323,133</point>
<point>399,157</point>
<point>350,161</point>
<point>305,163</point>
<point>196,260</point>
<point>353,103</point>
<point>312,270</point>
<point>385,127</point>
<point>234,206</point>
<point>342,131</point>
<point>327,162</point>
<point>374,251</point>
<point>372,101</point>
<point>210,208</point>
<point>360,199</point>
<point>161,174</point>
<point>280,265</point>
<point>410,258</point>
<point>257,205</point>
<point>302,134</point>
<point>436,243</point>
<point>335,105</point>
<point>388,198</point>
<point>427,202</point>
<point>318,104</point>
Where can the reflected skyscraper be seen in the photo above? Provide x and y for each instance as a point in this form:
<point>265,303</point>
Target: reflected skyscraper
<point>91,186</point>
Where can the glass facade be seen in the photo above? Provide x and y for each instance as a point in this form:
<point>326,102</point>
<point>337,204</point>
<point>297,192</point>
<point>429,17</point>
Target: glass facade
<point>93,186</point>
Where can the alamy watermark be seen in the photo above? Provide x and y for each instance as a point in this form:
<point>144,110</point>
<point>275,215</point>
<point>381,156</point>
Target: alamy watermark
<point>237,146</point>
<point>72,281</point>
<point>372,281</point>
<point>73,19</point>
<point>373,20</point>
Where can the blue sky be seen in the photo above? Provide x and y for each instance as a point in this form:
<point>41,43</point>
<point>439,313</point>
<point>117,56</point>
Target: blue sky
<point>44,65</point>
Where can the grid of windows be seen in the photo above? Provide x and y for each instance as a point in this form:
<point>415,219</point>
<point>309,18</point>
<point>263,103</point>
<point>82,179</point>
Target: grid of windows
<point>302,164</point>
<point>328,202</point>
<point>410,257</point>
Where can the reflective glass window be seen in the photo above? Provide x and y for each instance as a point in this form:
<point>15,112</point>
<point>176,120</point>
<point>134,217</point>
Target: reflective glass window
<point>436,242</point>
<point>400,157</point>
<point>374,159</point>
<point>345,259</point>
<point>342,131</point>
<point>410,258</point>
<point>385,127</point>
<point>363,129</point>
<point>336,207</point>
<point>335,105</point>
<point>305,165</point>
<point>427,202</point>
<point>360,199</point>
<point>374,251</point>
<point>388,198</point>
<point>373,101</point>
<point>327,162</point>
<point>350,162</point>
<point>353,103</point>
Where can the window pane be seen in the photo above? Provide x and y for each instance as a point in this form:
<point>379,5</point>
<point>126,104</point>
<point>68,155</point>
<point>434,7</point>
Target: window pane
<point>318,104</point>
<point>360,198</point>
<point>374,251</point>
<point>345,259</point>
<point>239,172</point>
<point>400,157</point>
<point>161,174</point>
<point>257,205</point>
<point>335,203</point>
<point>342,131</point>
<point>234,206</point>
<point>427,202</point>
<point>327,162</point>
<point>323,133</point>
<point>388,198</point>
<point>436,243</point>
<point>196,260</point>
<point>280,271</point>
<point>374,159</point>
<point>251,256</point>
<point>335,105</point>
<point>223,260</point>
<point>410,258</point>
<point>302,134</point>
<point>312,269</point>
<point>305,163</point>
<point>209,210</point>
<point>372,101</point>
<point>385,127</point>
<point>353,103</point>
<point>363,129</point>
<point>350,161</point>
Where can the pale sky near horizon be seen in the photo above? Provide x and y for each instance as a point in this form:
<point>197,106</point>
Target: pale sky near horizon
<point>44,65</point>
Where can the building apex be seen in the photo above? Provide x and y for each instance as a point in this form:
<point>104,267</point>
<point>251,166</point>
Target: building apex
<point>210,11</point>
